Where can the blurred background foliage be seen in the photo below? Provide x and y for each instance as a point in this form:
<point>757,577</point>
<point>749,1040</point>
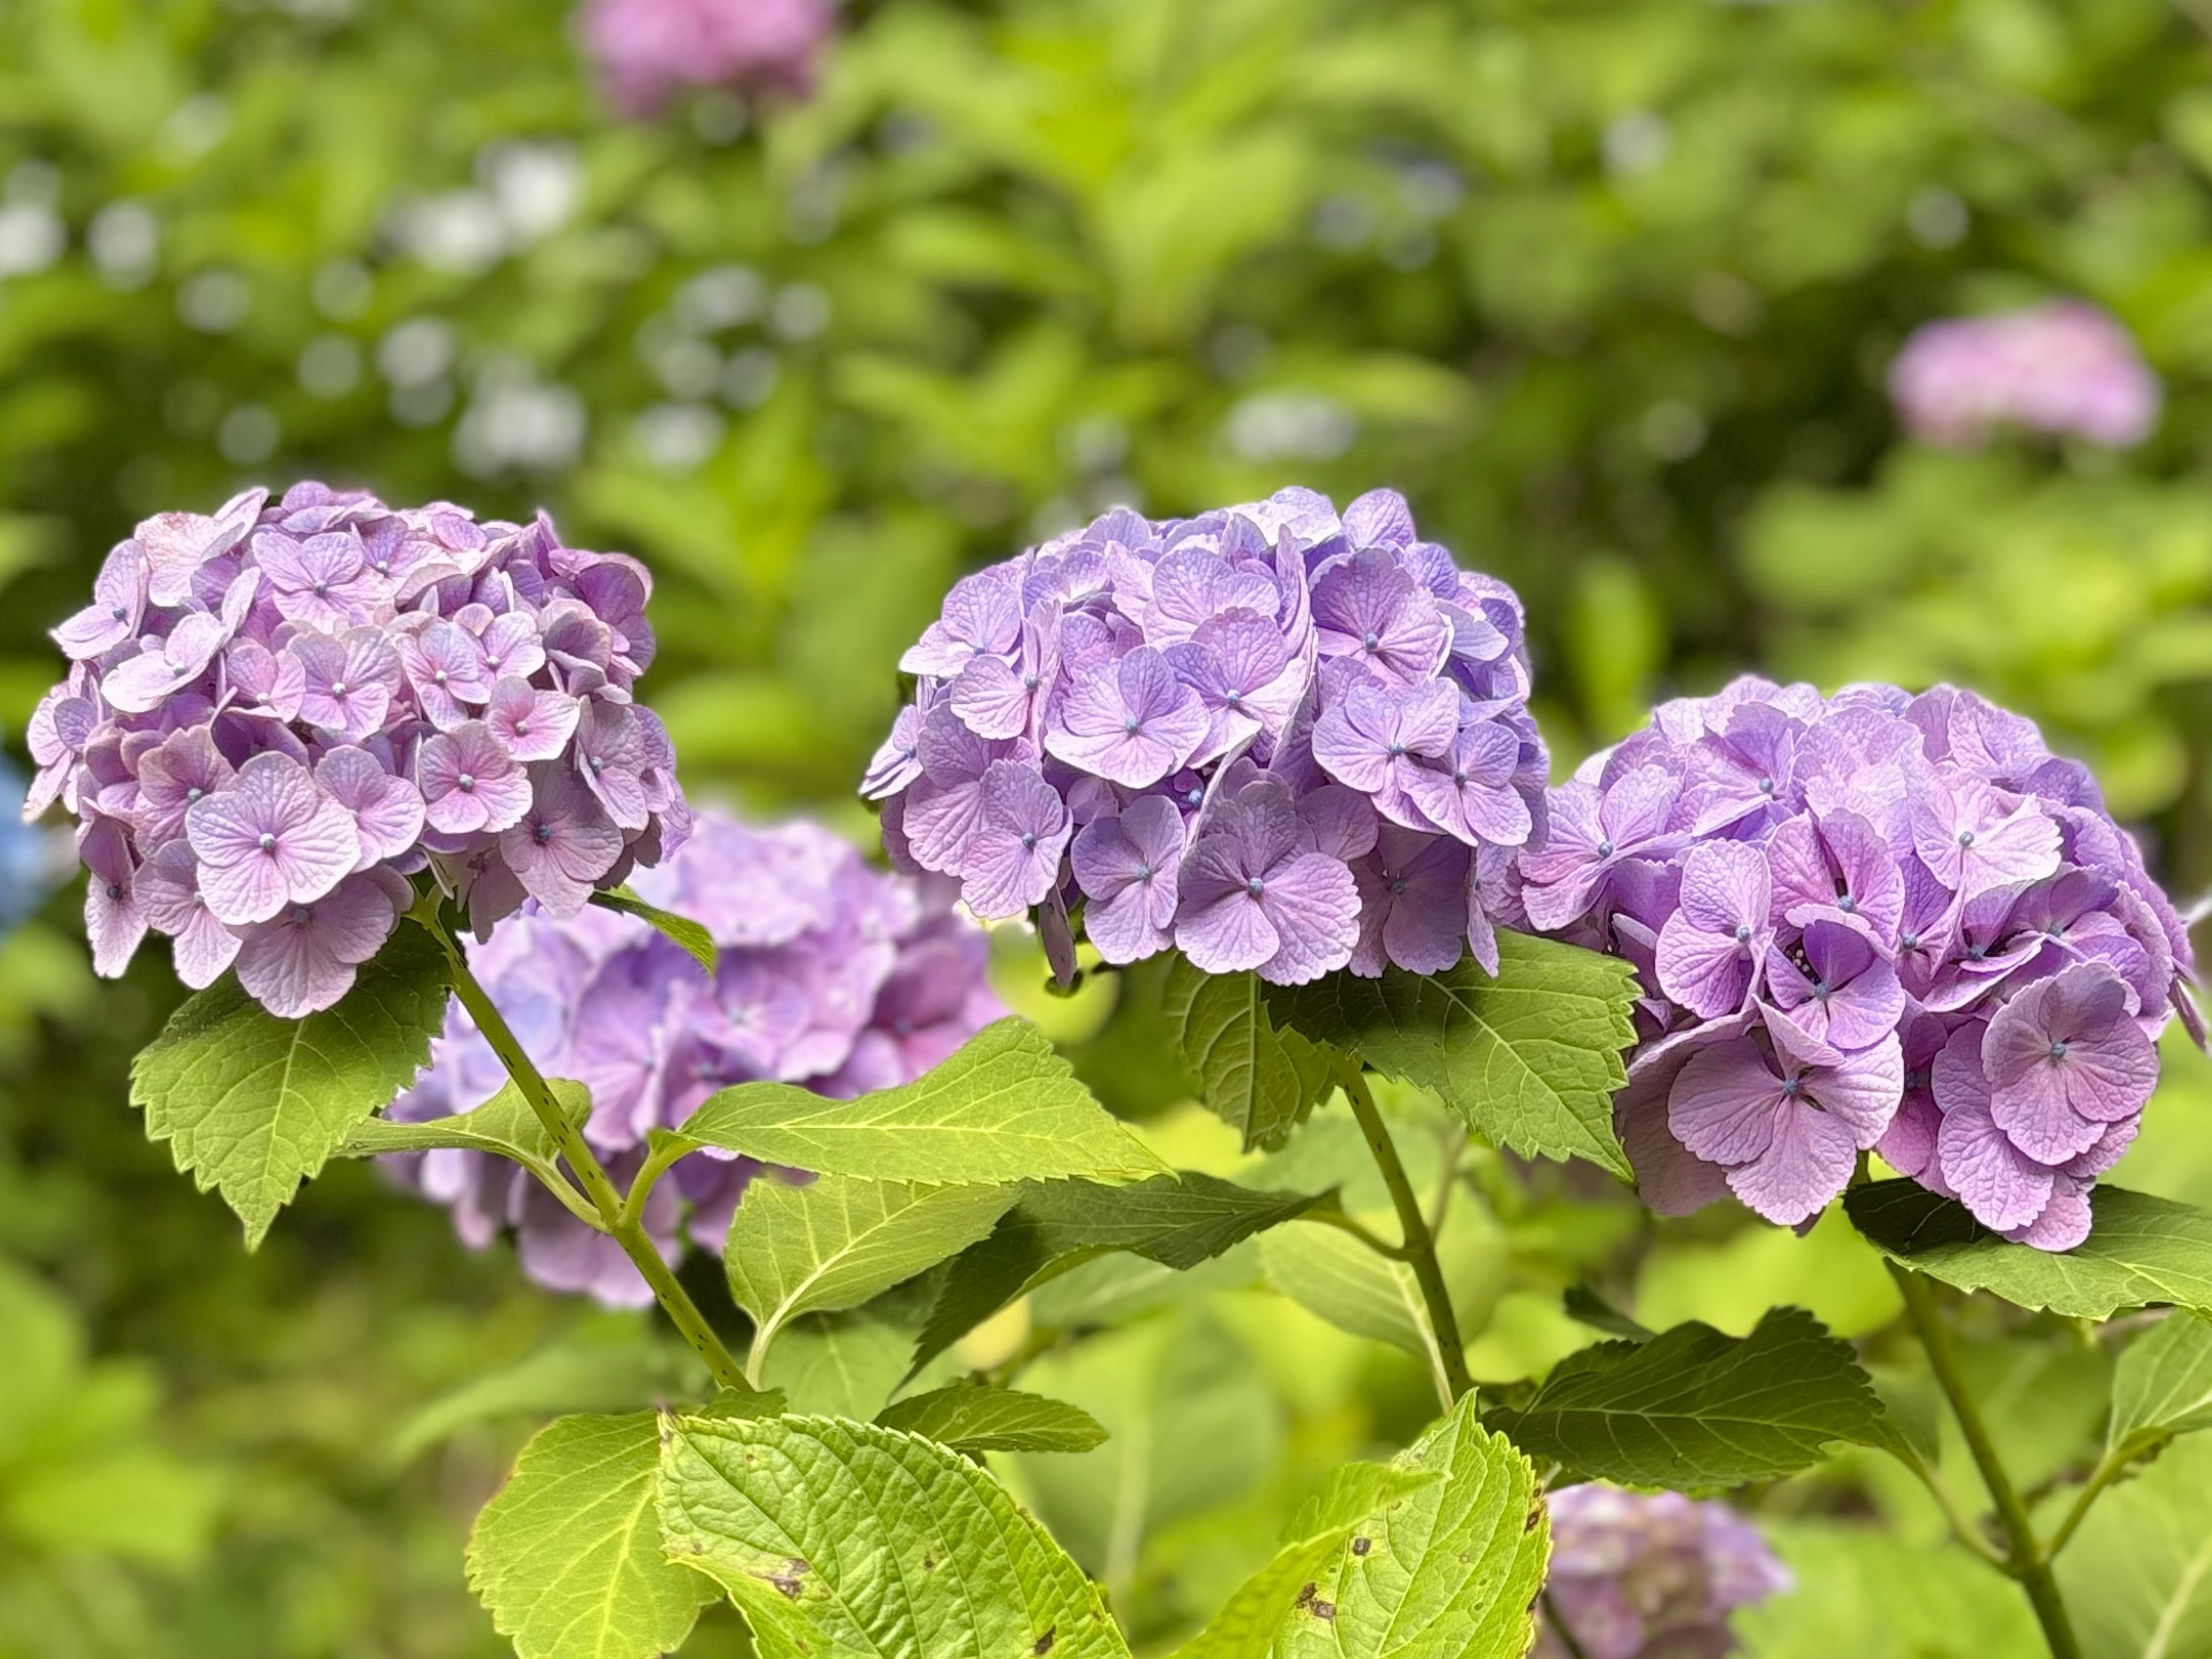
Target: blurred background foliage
<point>1608,287</point>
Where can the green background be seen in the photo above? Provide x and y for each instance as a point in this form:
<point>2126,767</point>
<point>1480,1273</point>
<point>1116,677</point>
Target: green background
<point>1607,288</point>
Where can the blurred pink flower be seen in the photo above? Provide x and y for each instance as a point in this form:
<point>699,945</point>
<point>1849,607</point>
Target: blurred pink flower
<point>645,50</point>
<point>2064,368</point>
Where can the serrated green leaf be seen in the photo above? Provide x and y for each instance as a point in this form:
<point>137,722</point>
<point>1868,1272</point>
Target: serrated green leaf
<point>251,1105</point>
<point>1448,1564</point>
<point>969,1418</point>
<point>505,1126</point>
<point>1178,1221</point>
<point>834,1243</point>
<point>2138,1575</point>
<point>2162,1386</point>
<point>1250,1620</point>
<point>568,1558</point>
<point>1692,1408</point>
<point>680,931</point>
<point>2140,1249</point>
<point>1530,1059</point>
<point>1005,1108</point>
<point>836,1538</point>
<point>1259,1080</point>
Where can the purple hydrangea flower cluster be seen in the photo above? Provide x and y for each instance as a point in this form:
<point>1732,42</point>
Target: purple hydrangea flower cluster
<point>1873,921</point>
<point>831,975</point>
<point>645,50</point>
<point>277,714</point>
<point>1638,1576</point>
<point>1272,737</point>
<point>2066,368</point>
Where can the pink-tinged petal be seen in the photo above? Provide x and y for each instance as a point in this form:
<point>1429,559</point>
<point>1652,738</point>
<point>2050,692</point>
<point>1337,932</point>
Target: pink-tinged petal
<point>1908,1146</point>
<point>1352,739</point>
<point>1338,821</point>
<point>1725,884</point>
<point>2001,1186</point>
<point>992,700</point>
<point>252,890</point>
<point>1127,926</point>
<point>114,921</point>
<point>319,850</point>
<point>1635,806</point>
<point>1863,1091</point>
<point>387,811</point>
<point>1709,973</point>
<point>2035,1113</point>
<point>2064,1223</point>
<point>1724,1102</point>
<point>939,822</point>
<point>1672,1179</point>
<point>1807,1162</point>
<point>1228,935</point>
<point>1862,1012</point>
<point>564,845</point>
<point>1314,905</point>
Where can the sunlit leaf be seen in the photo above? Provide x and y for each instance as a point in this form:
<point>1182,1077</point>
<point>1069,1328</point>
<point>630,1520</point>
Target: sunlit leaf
<point>2162,1386</point>
<point>251,1105</point>
<point>680,931</point>
<point>1260,1080</point>
<point>2137,1577</point>
<point>975,1420</point>
<point>836,1537</point>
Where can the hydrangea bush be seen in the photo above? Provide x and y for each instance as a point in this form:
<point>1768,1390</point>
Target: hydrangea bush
<point>648,51</point>
<point>1872,921</point>
<point>1273,738</point>
<point>277,714</point>
<point>1767,938</point>
<point>828,974</point>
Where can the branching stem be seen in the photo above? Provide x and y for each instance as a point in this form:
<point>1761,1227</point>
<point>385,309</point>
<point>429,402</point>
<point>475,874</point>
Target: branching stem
<point>2025,1558</point>
<point>1420,1243</point>
<point>619,1221</point>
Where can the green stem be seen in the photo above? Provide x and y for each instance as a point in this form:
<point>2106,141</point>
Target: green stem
<point>1367,1236</point>
<point>1420,1242</point>
<point>618,1221</point>
<point>2109,1468</point>
<point>2025,1559</point>
<point>1562,1632</point>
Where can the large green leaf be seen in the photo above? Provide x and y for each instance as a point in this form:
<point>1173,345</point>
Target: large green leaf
<point>2162,1386</point>
<point>1378,1565</point>
<point>848,1538</point>
<point>1178,1221</point>
<point>505,1126</point>
<point>1693,1408</point>
<point>2138,1575</point>
<point>1260,1080</point>
<point>835,1241</point>
<point>1530,1059</point>
<point>1005,1108</point>
<point>252,1105</point>
<point>1861,1592</point>
<point>842,1365</point>
<point>2140,1249</point>
<point>973,1419</point>
<point>568,1557</point>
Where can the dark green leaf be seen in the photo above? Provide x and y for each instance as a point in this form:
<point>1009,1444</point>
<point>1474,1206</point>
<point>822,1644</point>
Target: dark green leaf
<point>1178,1221</point>
<point>1530,1059</point>
<point>252,1105</point>
<point>2140,1249</point>
<point>680,931</point>
<point>1585,1306</point>
<point>1693,1408</point>
<point>1261,1081</point>
<point>969,1418</point>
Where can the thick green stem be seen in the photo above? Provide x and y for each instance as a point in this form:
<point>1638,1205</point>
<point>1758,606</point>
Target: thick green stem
<point>2025,1558</point>
<point>618,1221</point>
<point>1420,1246</point>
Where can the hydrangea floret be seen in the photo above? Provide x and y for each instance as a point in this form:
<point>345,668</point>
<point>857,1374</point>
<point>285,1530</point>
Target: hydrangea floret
<point>1873,921</point>
<point>277,714</point>
<point>1639,1576</point>
<point>830,974</point>
<point>1271,737</point>
<point>647,50</point>
<point>2065,368</point>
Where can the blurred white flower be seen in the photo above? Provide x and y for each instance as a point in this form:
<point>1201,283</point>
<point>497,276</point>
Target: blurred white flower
<point>1284,426</point>
<point>126,240</point>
